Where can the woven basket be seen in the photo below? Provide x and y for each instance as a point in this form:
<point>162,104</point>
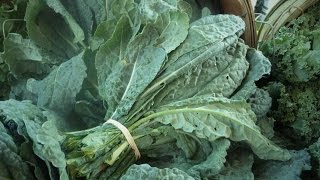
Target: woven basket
<point>244,9</point>
<point>282,13</point>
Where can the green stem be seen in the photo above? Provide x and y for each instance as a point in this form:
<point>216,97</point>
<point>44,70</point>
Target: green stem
<point>83,132</point>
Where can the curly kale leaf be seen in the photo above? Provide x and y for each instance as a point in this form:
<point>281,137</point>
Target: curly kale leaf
<point>294,51</point>
<point>298,108</point>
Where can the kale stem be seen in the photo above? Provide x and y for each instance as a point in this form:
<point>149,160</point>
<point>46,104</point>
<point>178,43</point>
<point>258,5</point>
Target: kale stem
<point>83,132</point>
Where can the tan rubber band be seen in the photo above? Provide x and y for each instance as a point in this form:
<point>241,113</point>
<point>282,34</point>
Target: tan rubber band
<point>127,135</point>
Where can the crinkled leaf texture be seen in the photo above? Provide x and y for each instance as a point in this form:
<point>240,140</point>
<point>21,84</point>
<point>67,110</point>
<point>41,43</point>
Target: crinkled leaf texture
<point>218,75</point>
<point>214,162</point>
<point>198,157</point>
<point>145,171</point>
<point>260,66</point>
<point>123,61</point>
<point>115,10</point>
<point>203,49</point>
<point>291,169</point>
<point>170,20</point>
<point>222,117</point>
<point>260,102</point>
<point>30,122</point>
<point>205,63</point>
<point>297,109</point>
<point>294,49</point>
<point>58,90</point>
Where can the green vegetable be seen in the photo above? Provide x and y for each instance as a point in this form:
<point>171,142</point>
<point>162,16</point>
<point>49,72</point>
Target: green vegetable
<point>63,83</point>
<point>185,89</point>
<point>238,165</point>
<point>10,158</point>
<point>11,20</point>
<point>22,56</point>
<point>294,54</point>
<point>294,87</point>
<point>285,170</point>
<point>145,171</point>
<point>314,150</point>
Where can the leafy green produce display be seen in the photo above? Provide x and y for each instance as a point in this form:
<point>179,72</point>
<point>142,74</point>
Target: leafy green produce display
<point>184,86</point>
<point>294,82</point>
<point>294,55</point>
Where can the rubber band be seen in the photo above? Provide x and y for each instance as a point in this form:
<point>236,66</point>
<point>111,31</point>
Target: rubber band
<point>127,135</point>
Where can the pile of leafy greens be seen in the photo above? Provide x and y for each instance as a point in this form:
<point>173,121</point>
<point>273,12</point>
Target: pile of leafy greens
<point>295,79</point>
<point>182,82</point>
<point>11,19</point>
